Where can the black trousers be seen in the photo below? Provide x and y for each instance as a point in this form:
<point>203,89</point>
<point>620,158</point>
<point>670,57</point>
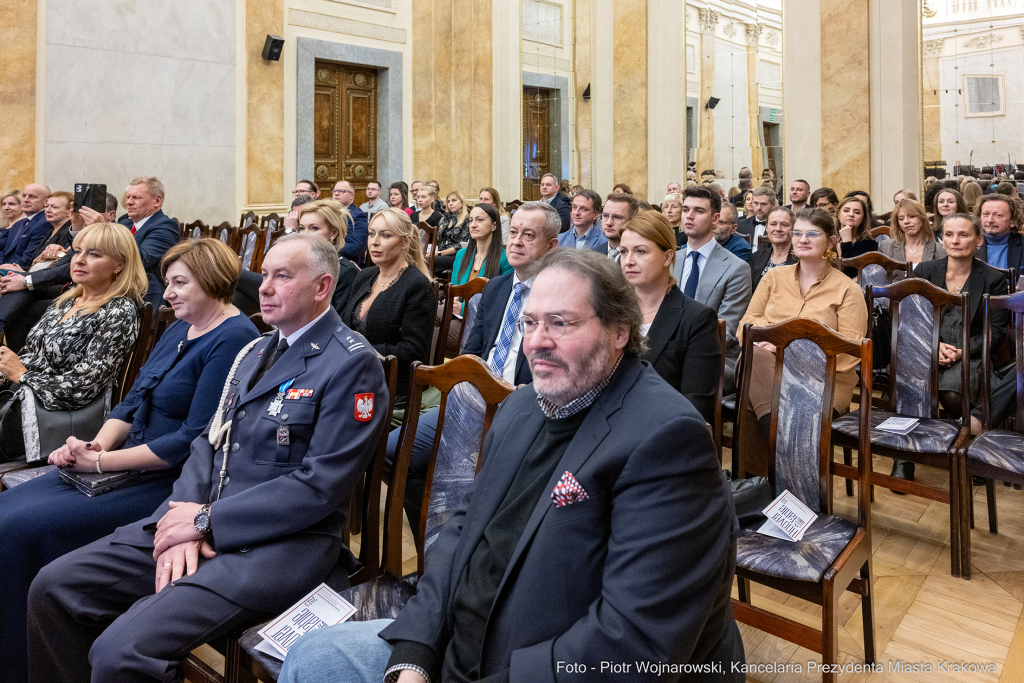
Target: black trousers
<point>92,615</point>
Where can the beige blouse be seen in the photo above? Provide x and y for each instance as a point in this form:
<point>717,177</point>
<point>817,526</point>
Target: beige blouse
<point>834,300</point>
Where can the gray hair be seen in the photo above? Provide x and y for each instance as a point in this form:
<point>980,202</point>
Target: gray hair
<point>552,176</point>
<point>729,206</point>
<point>154,187</point>
<point>552,221</point>
<point>321,256</point>
<point>611,296</point>
<point>764,191</point>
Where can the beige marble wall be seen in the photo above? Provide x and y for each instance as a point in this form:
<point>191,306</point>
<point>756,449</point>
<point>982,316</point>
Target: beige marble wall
<point>452,72</point>
<point>706,147</point>
<point>845,95</point>
<point>931,120</point>
<point>264,111</point>
<point>18,93</point>
<point>630,89</point>
<point>583,59</point>
<point>753,109</point>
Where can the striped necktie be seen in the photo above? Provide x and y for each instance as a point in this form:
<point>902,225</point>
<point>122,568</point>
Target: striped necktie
<point>508,329</point>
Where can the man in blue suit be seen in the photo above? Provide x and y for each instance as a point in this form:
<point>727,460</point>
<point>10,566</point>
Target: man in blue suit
<point>256,519</point>
<point>355,240</point>
<point>154,232</point>
<point>580,546</point>
<point>495,337</point>
<point>19,243</point>
<point>550,195</point>
<point>585,233</point>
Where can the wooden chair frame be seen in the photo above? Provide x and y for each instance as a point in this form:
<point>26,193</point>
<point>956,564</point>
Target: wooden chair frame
<point>875,258</point>
<point>248,218</point>
<point>429,241</point>
<point>851,570</point>
<point>464,292</point>
<point>939,298</point>
<point>204,230</point>
<point>968,467</point>
<point>238,244</point>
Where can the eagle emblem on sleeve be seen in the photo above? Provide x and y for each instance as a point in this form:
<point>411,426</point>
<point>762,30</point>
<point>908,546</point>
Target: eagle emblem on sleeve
<point>364,407</point>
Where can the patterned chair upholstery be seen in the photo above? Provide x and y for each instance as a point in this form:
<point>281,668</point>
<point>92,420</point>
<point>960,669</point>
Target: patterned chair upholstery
<point>997,448</point>
<point>469,318</point>
<point>834,554</point>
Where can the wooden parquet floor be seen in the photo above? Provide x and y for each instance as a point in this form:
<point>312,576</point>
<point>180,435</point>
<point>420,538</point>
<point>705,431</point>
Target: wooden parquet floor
<point>922,614</point>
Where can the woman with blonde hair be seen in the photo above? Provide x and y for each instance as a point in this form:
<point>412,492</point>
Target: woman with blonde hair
<point>682,334</point>
<point>10,209</point>
<point>972,193</point>
<point>75,350</point>
<point>489,195</point>
<point>912,238</point>
<point>452,231</point>
<point>331,220</point>
<point>672,209</point>
<point>392,302</point>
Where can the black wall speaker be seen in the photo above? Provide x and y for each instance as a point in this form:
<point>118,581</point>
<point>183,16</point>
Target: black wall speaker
<point>272,48</point>
<point>712,103</point>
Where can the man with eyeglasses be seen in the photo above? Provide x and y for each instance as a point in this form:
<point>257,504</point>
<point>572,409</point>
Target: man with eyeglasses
<point>709,273</point>
<point>725,232</point>
<point>373,202</point>
<point>305,191</point>
<point>581,549</point>
<point>495,338</point>
<point>619,209</point>
<point>358,232</point>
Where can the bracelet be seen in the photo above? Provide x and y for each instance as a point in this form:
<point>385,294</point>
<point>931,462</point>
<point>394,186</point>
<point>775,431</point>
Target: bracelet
<point>99,455</point>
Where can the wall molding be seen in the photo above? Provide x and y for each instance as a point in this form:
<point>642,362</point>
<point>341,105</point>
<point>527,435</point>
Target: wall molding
<point>349,27</point>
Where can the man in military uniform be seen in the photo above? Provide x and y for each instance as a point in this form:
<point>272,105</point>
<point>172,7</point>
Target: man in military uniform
<point>256,519</point>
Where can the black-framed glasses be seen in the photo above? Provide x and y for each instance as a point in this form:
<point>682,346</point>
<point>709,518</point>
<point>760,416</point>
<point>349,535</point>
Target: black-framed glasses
<point>554,325</point>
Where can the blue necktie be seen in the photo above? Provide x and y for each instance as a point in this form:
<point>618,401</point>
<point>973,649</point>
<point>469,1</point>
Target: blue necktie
<point>508,329</point>
<point>691,282</point>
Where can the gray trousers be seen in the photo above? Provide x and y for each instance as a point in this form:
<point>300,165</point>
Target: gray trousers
<point>92,615</point>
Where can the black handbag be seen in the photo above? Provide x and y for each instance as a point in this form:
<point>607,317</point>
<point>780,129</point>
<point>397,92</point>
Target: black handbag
<point>8,398</point>
<point>750,497</point>
<point>47,430</point>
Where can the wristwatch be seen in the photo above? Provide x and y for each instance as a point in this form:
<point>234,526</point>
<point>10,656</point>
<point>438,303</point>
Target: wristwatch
<point>28,282</point>
<point>202,521</point>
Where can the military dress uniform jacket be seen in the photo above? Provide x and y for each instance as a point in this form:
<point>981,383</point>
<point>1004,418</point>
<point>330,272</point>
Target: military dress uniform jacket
<point>278,525</point>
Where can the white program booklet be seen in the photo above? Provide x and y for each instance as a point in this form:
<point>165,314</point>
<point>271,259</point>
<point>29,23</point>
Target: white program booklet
<point>320,609</point>
<point>899,425</point>
<point>788,518</point>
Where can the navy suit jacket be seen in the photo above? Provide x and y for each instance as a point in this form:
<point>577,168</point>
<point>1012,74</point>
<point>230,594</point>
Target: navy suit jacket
<point>489,315</point>
<point>154,238</point>
<point>18,244</point>
<point>564,209</point>
<point>1014,253</point>
<point>355,240</point>
<point>640,570</point>
<point>285,505</point>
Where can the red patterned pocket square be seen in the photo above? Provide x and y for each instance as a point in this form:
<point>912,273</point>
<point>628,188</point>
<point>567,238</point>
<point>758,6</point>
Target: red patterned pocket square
<point>568,491</point>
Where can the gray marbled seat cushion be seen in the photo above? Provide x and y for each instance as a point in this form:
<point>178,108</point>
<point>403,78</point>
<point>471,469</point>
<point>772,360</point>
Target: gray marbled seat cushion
<point>12,479</point>
<point>929,436</point>
<point>999,448</point>
<point>805,560</point>
<point>381,598</point>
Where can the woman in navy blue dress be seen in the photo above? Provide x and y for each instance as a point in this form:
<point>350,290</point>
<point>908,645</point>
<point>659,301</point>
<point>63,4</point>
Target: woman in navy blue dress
<point>169,405</point>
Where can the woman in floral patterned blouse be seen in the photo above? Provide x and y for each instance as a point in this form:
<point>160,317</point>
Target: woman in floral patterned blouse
<point>75,351</point>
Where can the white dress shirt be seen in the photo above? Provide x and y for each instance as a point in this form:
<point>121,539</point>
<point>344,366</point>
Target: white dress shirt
<point>705,254</point>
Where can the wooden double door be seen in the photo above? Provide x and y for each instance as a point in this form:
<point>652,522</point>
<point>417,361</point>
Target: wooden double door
<point>536,139</point>
<point>345,127</point>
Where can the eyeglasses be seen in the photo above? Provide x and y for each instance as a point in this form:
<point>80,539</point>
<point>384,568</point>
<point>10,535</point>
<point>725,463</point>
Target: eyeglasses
<point>296,193</point>
<point>343,192</point>
<point>810,234</point>
<point>612,217</point>
<point>554,325</point>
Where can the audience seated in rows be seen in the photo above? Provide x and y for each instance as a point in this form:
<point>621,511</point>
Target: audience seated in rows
<point>585,233</point>
<point>115,608</point>
<point>169,405</point>
<point>58,241</point>
<point>946,202</point>
<point>373,202</point>
<point>725,232</point>
<point>912,238</point>
<point>799,195</point>
<point>709,273</point>
<point>615,535</point>
<point>398,197</point>
<point>306,191</point>
<point>425,197</point>
<point>824,198</point>
<point>618,210</point>
<point>672,209</point>
<point>355,237</point>
<point>778,251</point>
<point>550,195</point>
<point>18,244</point>
<point>682,335</point>
<point>392,302</point>
<point>854,224</point>
<point>452,232</point>
<point>75,351</point>
<point>762,201</point>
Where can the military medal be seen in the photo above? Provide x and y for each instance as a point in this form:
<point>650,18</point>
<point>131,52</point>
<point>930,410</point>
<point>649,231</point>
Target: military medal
<point>278,403</point>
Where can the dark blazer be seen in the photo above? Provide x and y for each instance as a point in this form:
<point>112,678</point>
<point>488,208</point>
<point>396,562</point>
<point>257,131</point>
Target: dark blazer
<point>615,577</point>
<point>1014,253</point>
<point>856,248</point>
<point>746,226</point>
<point>489,316</point>
<point>284,505</point>
<point>760,259</point>
<point>984,279</point>
<point>347,272</point>
<point>684,349</point>
<point>564,208</point>
<point>155,237</point>
<point>19,242</point>
<point>61,237</point>
<point>355,238</point>
<point>400,322</point>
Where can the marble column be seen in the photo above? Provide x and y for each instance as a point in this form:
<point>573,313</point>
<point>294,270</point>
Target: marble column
<point>931,114</point>
<point>845,95</point>
<point>452,69</point>
<point>753,99</point>
<point>706,148</point>
<point>630,89</point>
<point>801,88</point>
<point>666,106</point>
<point>18,93</point>
<point>264,111</point>
<point>583,60</point>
